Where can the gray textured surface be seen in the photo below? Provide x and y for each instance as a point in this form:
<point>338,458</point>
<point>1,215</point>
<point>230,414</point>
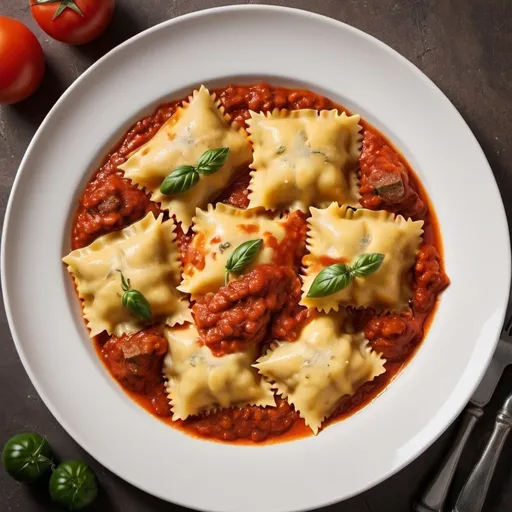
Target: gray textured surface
<point>464,46</point>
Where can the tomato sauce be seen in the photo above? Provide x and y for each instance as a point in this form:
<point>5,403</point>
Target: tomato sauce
<point>239,314</point>
<point>111,202</point>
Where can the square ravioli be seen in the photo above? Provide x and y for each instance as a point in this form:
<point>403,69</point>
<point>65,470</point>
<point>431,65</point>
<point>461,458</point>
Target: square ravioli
<point>304,158</point>
<point>325,363</point>
<point>147,256</point>
<point>219,231</point>
<point>338,234</point>
<point>196,127</point>
<point>198,381</point>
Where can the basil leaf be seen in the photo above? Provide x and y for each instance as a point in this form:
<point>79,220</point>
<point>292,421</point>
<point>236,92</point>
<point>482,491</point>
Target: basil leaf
<point>212,160</point>
<point>330,280</point>
<point>242,256</point>
<point>137,304</point>
<point>180,180</point>
<point>134,301</point>
<point>366,264</point>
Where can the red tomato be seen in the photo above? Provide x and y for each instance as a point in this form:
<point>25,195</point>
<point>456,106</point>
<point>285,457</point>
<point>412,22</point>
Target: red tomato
<point>73,21</point>
<point>21,61</point>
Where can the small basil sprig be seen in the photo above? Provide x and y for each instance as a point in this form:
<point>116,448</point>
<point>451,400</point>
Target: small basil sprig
<point>184,177</point>
<point>242,256</point>
<point>335,277</point>
<point>134,301</point>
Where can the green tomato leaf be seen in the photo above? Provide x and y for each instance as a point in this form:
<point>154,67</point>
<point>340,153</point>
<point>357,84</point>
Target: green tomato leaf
<point>183,178</point>
<point>212,160</point>
<point>63,5</point>
<point>137,304</point>
<point>26,457</point>
<point>73,485</point>
<point>366,264</point>
<point>68,4</point>
<point>243,255</point>
<point>330,280</point>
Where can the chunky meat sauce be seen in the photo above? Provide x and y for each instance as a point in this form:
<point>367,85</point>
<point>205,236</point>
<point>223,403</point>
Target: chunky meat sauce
<point>239,314</point>
<point>136,362</point>
<point>386,183</point>
<point>110,201</point>
<point>254,423</point>
<point>264,302</point>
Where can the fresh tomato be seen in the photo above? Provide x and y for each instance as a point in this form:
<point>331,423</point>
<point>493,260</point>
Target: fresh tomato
<point>21,61</point>
<point>26,457</point>
<point>73,485</point>
<point>73,21</point>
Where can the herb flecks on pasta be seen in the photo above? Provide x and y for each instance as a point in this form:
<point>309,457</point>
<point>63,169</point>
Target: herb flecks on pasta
<point>325,363</point>
<point>304,158</point>
<point>218,232</point>
<point>200,382</point>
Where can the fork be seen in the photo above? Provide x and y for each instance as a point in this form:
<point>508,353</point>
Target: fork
<point>473,494</point>
<point>433,500</point>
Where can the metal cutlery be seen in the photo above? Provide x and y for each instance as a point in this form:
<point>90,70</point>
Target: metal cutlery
<point>433,500</point>
<point>474,492</point>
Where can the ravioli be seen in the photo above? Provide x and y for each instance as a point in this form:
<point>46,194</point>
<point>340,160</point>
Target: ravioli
<point>197,126</point>
<point>304,158</point>
<point>218,232</point>
<point>147,255</point>
<point>326,362</point>
<point>248,360</point>
<point>340,234</point>
<point>197,381</point>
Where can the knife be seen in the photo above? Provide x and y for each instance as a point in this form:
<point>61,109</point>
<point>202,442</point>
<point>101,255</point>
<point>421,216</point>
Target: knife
<point>434,498</point>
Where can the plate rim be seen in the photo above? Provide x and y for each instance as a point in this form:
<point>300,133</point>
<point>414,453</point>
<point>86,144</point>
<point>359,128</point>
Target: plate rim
<point>205,13</point>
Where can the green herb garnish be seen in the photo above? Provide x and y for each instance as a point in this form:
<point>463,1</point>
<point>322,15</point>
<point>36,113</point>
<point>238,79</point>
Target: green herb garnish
<point>180,180</point>
<point>335,277</point>
<point>280,150</point>
<point>134,301</point>
<point>367,264</point>
<point>224,246</point>
<point>212,160</point>
<point>184,177</point>
<point>242,256</point>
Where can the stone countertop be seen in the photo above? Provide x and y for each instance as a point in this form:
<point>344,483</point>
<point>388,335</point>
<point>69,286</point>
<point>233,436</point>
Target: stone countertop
<point>464,46</point>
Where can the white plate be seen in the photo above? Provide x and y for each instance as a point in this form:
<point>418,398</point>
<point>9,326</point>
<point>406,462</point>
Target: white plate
<point>283,46</point>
